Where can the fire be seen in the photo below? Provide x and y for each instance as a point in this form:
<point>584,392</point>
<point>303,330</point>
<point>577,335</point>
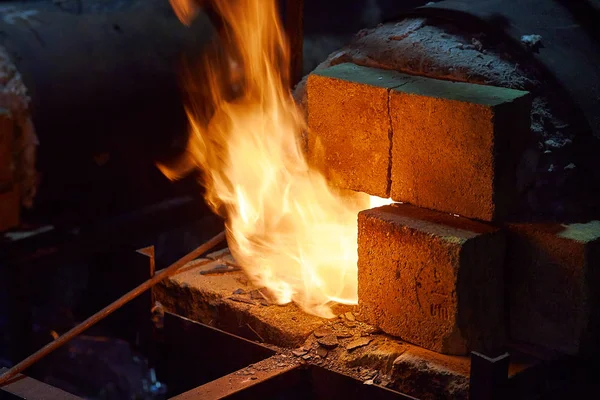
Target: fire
<point>289,230</point>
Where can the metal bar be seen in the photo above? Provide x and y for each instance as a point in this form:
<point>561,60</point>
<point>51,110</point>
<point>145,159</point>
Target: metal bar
<point>194,354</point>
<point>269,372</point>
<point>100,315</point>
<point>150,253</point>
<point>489,377</point>
<point>294,27</point>
<point>328,384</point>
<point>202,362</point>
<point>24,387</point>
<point>143,305</point>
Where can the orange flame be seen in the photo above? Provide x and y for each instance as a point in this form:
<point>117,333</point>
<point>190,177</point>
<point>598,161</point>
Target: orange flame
<point>186,10</point>
<point>286,227</point>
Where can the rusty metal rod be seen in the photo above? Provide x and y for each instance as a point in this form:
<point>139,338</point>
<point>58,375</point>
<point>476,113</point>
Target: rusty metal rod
<point>106,311</point>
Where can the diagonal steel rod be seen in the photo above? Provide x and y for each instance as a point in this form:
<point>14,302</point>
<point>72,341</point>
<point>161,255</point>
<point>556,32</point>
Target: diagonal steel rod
<point>106,311</point>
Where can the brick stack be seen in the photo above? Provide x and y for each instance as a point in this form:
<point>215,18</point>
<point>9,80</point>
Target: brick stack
<point>426,274</point>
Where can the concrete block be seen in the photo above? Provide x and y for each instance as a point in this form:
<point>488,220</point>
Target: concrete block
<point>349,126</point>
<point>554,285</point>
<point>456,146</point>
<point>432,279</point>
<point>213,299</point>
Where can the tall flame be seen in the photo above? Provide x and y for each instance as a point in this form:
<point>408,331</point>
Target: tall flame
<point>288,229</point>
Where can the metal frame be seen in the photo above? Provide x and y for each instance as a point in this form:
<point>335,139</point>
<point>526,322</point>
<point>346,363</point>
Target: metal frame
<point>202,362</point>
<point>23,387</point>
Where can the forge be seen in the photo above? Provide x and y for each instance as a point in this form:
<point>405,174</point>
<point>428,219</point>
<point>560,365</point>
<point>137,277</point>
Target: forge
<point>414,216</point>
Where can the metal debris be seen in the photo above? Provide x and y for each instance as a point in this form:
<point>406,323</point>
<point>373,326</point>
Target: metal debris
<point>322,332</point>
<point>360,342</point>
<point>242,300</point>
<point>322,352</point>
<point>343,335</point>
<point>329,341</point>
<point>371,330</point>
<point>259,294</point>
<point>299,353</point>
<point>219,269</point>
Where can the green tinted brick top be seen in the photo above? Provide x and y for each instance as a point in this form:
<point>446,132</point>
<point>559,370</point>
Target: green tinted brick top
<point>583,233</point>
<point>364,75</point>
<point>464,92</point>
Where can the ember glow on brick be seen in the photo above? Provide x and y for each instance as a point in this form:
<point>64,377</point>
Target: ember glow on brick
<point>433,279</point>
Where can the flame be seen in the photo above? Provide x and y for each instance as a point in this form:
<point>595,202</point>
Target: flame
<point>185,10</point>
<point>286,227</point>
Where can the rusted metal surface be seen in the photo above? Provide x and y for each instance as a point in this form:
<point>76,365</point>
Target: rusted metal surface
<point>266,376</point>
<point>100,315</point>
<point>24,387</point>
<point>327,384</point>
<point>194,354</point>
<point>294,27</point>
<point>221,365</point>
<point>290,381</point>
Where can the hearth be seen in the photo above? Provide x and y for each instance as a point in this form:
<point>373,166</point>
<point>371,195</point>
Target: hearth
<point>388,224</point>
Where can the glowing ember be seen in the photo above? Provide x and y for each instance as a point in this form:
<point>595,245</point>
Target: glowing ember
<point>289,230</point>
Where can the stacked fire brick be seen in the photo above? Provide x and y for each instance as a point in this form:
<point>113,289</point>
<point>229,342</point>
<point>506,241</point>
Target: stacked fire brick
<point>445,268</point>
<point>17,145</point>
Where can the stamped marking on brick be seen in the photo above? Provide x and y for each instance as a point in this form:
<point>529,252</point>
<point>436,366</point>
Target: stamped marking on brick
<point>432,300</point>
<point>422,307</point>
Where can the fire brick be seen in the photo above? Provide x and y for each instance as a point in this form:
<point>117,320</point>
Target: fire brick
<point>432,279</point>
<point>349,126</point>
<point>554,285</point>
<point>456,146</point>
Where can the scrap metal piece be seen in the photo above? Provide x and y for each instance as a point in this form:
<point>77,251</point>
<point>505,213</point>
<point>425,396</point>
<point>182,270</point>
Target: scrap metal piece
<point>190,342</point>
<point>489,377</point>
<point>24,387</point>
<point>220,269</point>
<point>269,372</point>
